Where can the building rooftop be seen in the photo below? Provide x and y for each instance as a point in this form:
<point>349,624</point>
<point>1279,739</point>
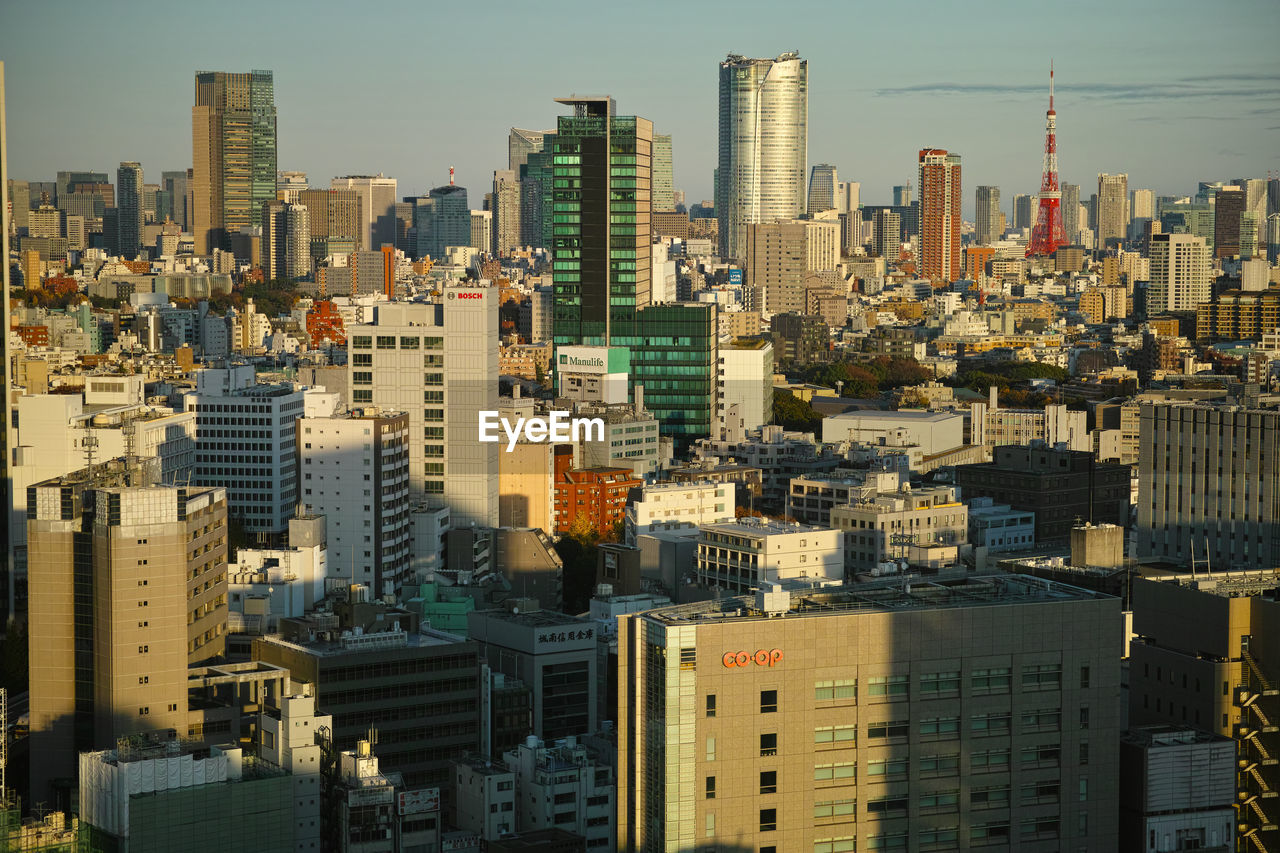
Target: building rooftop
<point>758,526</point>
<point>352,642</point>
<point>933,417</point>
<point>886,596</point>
<point>534,618</point>
<point>1229,584</point>
<point>1164,735</point>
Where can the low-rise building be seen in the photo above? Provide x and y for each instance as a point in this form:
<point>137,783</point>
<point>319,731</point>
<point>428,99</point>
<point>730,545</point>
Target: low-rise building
<point>999,527</point>
<point>883,528</point>
<point>564,786</point>
<point>751,553</point>
<point>1177,790</point>
<point>670,506</point>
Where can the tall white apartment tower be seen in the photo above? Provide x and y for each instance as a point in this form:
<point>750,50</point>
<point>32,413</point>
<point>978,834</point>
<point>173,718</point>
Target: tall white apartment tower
<point>764,121</point>
<point>1180,273</point>
<point>439,363</point>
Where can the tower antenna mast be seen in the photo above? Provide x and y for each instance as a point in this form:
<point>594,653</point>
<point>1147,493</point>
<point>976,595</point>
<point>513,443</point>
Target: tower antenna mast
<point>1047,235</point>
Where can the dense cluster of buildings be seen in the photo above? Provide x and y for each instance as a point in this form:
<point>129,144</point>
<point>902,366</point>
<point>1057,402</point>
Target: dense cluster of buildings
<point>570,516</point>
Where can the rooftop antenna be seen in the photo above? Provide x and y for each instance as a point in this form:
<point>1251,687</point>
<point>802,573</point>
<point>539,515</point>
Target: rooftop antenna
<point>450,176</point>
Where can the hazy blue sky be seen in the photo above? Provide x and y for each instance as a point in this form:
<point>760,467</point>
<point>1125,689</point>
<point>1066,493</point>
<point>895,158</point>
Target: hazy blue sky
<point>1170,92</point>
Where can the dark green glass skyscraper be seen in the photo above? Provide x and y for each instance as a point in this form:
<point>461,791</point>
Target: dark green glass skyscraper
<point>600,219</point>
<point>602,249</point>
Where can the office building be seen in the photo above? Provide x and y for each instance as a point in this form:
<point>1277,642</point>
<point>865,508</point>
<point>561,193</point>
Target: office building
<point>764,126</point>
<point>822,189</point>
<point>246,444</point>
<point>289,184</point>
<point>983,706</point>
<point>887,526</point>
<point>554,654</point>
<point>663,192</point>
<point>1113,209</point>
<point>336,221</point>
<point>233,133</point>
<point>176,796</point>
<point>991,426</point>
<point>601,249</point>
<point>1178,787</point>
<point>408,678</point>
<point>443,219</point>
<point>521,143</point>
<point>399,363</point>
<point>129,212</point>
<point>886,234</point>
<point>781,256</point>
<point>1023,211</point>
<point>174,185</point>
<point>377,207</point>
<point>1201,465</point>
<point>1228,212</point>
<point>355,473</point>
<point>286,241</point>
<point>135,572</point>
<point>753,553</point>
<point>1062,487</point>
<point>677,506</point>
<point>592,497</point>
<point>1181,273</point>
<point>1202,656</point>
<point>1071,213</point>
<point>744,383</point>
<point>505,212</point>
<point>564,786</point>
<point>1000,527</point>
<point>481,231</point>
<point>6,442</point>
<point>939,215</point>
<point>987,221</point>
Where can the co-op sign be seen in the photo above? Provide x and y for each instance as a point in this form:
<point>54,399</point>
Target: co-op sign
<point>760,657</point>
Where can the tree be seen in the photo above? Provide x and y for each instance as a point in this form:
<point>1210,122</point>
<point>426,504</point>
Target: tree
<point>792,413</point>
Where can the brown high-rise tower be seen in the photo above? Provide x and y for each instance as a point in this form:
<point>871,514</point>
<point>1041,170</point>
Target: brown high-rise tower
<point>233,154</point>
<point>939,215</point>
<point>127,587</point>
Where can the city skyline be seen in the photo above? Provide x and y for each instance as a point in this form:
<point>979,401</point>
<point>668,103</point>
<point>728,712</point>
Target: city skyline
<point>1113,102</point>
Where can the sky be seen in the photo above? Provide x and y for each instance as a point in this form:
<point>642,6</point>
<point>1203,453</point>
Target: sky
<point>1170,92</point>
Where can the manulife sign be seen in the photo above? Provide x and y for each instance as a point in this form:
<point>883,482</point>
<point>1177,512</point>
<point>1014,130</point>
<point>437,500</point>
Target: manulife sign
<point>602,360</point>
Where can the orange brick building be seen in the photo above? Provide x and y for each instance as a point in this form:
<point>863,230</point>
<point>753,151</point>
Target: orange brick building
<point>598,493</point>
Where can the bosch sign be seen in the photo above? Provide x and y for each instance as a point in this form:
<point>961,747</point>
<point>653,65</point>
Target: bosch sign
<point>475,295</point>
<point>762,657</point>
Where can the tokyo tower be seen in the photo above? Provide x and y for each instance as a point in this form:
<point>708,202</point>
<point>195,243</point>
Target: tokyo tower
<point>1047,234</point>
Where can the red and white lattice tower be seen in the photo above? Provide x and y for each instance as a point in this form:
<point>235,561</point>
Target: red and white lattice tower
<point>1047,235</point>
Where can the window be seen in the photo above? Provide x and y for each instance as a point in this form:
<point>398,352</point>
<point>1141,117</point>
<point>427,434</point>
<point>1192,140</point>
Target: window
<point>711,749</point>
<point>939,765</point>
<point>768,820</point>
<point>895,728</point>
<point>1084,718</point>
<point>984,725</point>
<point>889,687</point>
<point>1045,755</point>
<point>408,343</point>
<point>941,801</point>
<point>1084,790</point>
<point>832,737</point>
<point>361,342</point>
<point>834,809</point>
<point>996,796</point>
<point>1084,752</point>
<point>933,683</point>
<point>768,701</point>
<point>846,844</point>
<point>992,833</point>
<point>989,760</point>
<point>1039,827</point>
<point>1040,792</point>
<point>769,744</point>
<point>711,704</point>
<point>711,824</point>
<point>1042,720</point>
<point>386,342</point>
<point>940,727</point>
<point>711,787</point>
<point>834,691</point>
<point>943,837</point>
<point>833,772</point>
<point>887,767</point>
<point>768,781</point>
<point>887,841</point>
<point>992,680</point>
<point>1084,677</point>
<point>1046,676</point>
<point>887,804</point>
